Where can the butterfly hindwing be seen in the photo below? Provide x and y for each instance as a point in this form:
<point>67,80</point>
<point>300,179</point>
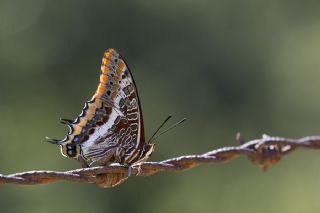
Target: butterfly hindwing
<point>110,126</point>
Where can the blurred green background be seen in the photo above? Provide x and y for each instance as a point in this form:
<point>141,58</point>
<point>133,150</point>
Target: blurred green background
<point>248,66</point>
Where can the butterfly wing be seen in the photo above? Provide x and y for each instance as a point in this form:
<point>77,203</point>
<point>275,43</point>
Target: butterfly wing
<point>111,123</point>
<point>123,133</point>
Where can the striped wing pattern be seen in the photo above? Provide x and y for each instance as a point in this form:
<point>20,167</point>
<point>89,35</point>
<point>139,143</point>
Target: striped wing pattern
<point>110,126</point>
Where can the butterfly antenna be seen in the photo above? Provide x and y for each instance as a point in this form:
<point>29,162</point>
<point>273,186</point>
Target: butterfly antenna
<point>163,123</point>
<point>167,130</point>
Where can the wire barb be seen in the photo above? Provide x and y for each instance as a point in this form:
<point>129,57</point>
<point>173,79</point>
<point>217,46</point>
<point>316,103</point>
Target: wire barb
<point>263,152</point>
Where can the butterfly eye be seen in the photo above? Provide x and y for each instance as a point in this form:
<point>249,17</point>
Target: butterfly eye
<point>146,147</point>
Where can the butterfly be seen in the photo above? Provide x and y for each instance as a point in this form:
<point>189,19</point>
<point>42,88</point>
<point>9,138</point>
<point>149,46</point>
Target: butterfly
<point>110,127</point>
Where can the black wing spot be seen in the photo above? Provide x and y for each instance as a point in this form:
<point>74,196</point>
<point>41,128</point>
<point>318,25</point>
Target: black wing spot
<point>91,131</point>
<point>99,123</point>
<point>85,138</point>
<point>71,151</point>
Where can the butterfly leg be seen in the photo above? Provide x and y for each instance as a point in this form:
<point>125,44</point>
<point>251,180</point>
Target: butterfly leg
<point>120,158</point>
<point>138,166</point>
<point>129,170</point>
<point>83,162</point>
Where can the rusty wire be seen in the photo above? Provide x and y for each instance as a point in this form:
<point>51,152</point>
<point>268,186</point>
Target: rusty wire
<point>262,152</point>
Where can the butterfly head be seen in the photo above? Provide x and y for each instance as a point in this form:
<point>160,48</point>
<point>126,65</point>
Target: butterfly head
<point>148,149</point>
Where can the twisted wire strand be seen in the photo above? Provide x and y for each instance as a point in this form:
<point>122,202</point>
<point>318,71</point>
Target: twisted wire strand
<point>263,152</point>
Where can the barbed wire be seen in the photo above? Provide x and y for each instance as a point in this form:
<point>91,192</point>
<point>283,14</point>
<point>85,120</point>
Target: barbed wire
<point>262,152</point>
